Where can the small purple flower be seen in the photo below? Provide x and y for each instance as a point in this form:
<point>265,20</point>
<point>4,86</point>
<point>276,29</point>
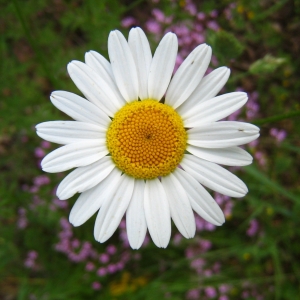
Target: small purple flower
<point>208,273</point>
<point>197,37</point>
<point>89,266</point>
<point>201,16</point>
<point>146,241</point>
<point>260,158</point>
<point>210,292</point>
<point>177,239</point>
<point>60,203</point>
<point>253,144</point>
<point>199,223</point>
<point>213,25</point>
<point>101,272</point>
<point>224,288</point>
<point>279,135</point>
<point>197,263</point>
<point>120,265</point>
<point>22,221</point>
<point>111,249</point>
<point>153,26</point>
<point>45,144</point>
<point>205,245</point>
<point>253,228</point>
<point>104,258</point>
<point>32,254</point>
<point>193,294</point>
<point>158,14</point>
<point>228,208</point>
<point>209,227</point>
<point>39,152</point>
<point>189,253</point>
<point>64,223</point>
<point>214,13</point>
<point>30,259</point>
<point>41,180</point>
<point>75,243</point>
<point>128,22</point>
<point>96,285</point>
<point>123,224</point>
<point>112,268</point>
<point>198,27</point>
<point>191,8</point>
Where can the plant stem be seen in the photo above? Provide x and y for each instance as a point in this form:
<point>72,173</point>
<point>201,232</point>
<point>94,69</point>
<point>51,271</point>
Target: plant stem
<point>277,118</point>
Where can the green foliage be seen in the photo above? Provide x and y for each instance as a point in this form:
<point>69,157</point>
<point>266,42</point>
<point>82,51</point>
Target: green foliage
<point>225,45</point>
<point>266,65</point>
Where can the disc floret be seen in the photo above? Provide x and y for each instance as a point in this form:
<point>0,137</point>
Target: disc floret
<point>146,139</point>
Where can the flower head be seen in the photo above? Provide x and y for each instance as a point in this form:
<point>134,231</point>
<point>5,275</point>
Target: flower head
<point>144,142</point>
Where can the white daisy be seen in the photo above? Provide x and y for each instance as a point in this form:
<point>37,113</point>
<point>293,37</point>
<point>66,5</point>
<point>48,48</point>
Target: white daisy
<point>137,154</point>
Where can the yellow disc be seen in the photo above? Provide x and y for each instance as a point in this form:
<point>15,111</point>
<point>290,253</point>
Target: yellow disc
<point>146,139</point>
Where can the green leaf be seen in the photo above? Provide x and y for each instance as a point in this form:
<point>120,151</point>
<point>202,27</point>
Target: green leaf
<point>263,179</point>
<point>266,65</point>
<point>225,45</point>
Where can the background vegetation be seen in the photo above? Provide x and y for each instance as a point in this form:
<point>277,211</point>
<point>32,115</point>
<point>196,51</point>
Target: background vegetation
<point>254,255</point>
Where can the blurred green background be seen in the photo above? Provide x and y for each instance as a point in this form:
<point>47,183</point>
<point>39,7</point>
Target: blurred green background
<point>254,255</point>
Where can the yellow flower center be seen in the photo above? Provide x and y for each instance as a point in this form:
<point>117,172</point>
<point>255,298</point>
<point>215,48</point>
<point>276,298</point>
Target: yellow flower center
<point>146,139</point>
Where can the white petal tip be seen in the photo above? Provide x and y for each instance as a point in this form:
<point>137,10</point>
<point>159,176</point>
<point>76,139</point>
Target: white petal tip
<point>102,239</point>
<point>52,94</point>
<point>62,195</point>
<point>114,33</point>
<point>136,29</point>
<point>86,55</point>
<point>159,245</point>
<point>241,195</point>
<point>48,170</point>
<point>135,247</point>
<point>75,223</point>
<point>219,224</point>
<point>190,236</point>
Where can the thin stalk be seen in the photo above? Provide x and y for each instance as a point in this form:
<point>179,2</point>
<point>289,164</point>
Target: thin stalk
<point>276,118</point>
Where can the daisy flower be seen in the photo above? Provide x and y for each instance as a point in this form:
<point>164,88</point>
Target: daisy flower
<point>143,142</point>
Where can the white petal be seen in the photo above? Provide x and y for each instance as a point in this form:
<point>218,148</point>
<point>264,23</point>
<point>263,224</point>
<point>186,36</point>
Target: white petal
<point>214,176</point>
<point>91,200</point>
<point>123,66</point>
<point>66,132</point>
<point>93,60</point>
<point>79,108</point>
<point>162,66</point>
<point>202,202</point>
<point>180,207</point>
<point>84,178</point>
<point>222,134</point>
<point>188,75</point>
<point>135,216</point>
<point>100,64</point>
<point>95,88</point>
<point>208,88</point>
<point>232,156</point>
<point>74,155</point>
<point>113,209</point>
<point>142,56</point>
<point>157,213</point>
<point>215,109</point>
